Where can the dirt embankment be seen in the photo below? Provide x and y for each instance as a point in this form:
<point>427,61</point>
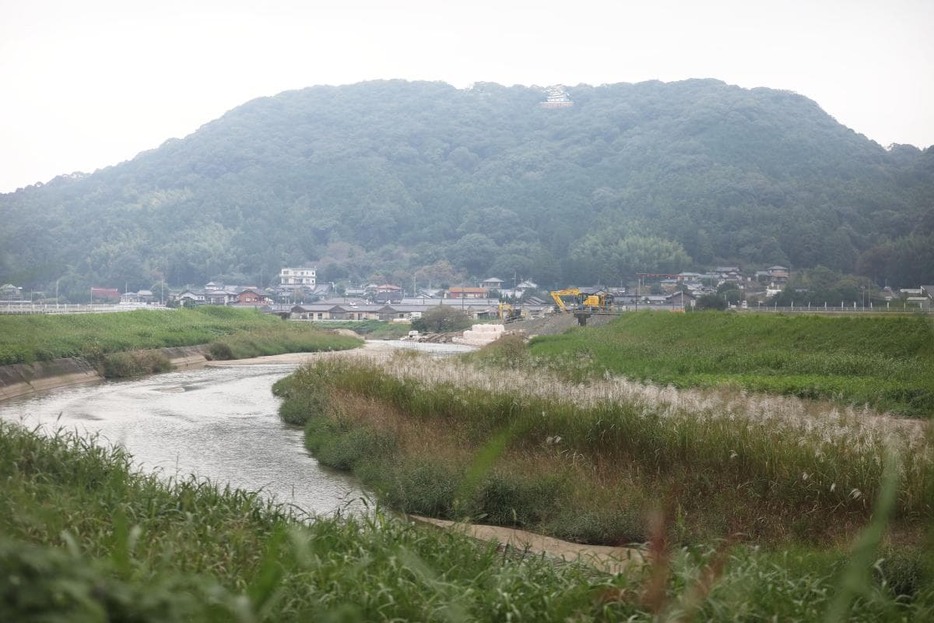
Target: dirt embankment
<point>25,378</point>
<point>556,323</point>
<point>603,557</point>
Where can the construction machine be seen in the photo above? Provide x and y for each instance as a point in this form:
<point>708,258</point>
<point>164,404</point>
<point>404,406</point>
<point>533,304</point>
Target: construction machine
<point>585,303</point>
<point>597,300</point>
<point>508,313</point>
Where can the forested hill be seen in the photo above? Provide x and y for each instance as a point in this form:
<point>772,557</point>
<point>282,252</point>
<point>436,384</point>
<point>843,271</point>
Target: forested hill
<point>395,180</point>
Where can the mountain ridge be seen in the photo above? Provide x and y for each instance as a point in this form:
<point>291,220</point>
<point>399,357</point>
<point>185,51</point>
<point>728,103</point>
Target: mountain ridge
<point>393,178</point>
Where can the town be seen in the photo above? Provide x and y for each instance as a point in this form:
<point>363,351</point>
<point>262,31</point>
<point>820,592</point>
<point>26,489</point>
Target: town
<point>299,295</point>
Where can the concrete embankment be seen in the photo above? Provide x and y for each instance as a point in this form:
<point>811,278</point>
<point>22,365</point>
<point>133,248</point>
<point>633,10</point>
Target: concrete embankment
<point>25,378</point>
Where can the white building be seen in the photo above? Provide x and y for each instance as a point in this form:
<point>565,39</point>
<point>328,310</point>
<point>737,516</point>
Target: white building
<point>297,277</point>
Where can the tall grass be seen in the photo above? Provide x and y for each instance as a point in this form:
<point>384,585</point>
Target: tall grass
<point>585,461</point>
<point>84,538</point>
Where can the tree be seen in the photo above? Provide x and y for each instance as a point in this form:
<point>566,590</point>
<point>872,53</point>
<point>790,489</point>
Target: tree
<point>442,319</point>
<point>637,178</point>
<point>606,257</point>
<point>710,301</point>
<point>474,252</point>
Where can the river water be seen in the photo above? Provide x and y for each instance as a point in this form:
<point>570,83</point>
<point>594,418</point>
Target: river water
<point>215,423</point>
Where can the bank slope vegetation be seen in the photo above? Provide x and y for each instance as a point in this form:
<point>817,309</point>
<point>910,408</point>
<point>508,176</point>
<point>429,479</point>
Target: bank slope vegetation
<point>228,333</point>
<point>83,537</point>
<point>394,180</point>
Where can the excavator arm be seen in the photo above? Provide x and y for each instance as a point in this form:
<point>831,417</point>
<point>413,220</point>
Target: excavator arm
<point>559,302</point>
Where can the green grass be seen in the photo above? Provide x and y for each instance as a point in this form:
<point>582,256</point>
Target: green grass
<point>762,511</point>
<point>884,362</point>
<point>236,333</point>
<point>84,538</point>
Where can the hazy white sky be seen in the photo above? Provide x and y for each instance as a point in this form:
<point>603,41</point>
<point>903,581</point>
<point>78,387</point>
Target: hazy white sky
<point>89,83</point>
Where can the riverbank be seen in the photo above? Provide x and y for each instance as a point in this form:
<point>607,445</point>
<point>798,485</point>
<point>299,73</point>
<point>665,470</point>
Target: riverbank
<point>39,353</point>
<point>331,565</point>
<point>21,379</point>
<point>511,540</point>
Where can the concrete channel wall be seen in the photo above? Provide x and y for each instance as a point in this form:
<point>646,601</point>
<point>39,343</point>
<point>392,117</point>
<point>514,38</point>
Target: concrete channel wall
<point>25,378</point>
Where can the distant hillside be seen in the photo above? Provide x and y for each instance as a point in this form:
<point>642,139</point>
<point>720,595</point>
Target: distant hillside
<point>395,180</point>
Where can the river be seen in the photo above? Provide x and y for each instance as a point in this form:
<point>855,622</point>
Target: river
<point>215,423</point>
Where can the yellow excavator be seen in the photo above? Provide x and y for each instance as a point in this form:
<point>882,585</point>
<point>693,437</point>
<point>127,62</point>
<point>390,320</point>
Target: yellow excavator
<point>598,300</point>
<point>584,303</point>
<point>508,313</point>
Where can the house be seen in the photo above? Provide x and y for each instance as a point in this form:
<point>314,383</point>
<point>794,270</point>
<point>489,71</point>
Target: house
<point>728,273</point>
<point>492,283</point>
<point>356,312</point>
<point>458,292</point>
<point>253,297</point>
<point>9,292</point>
<point>518,292</point>
<point>221,296</point>
<point>681,299</point>
<point>384,293</point>
<point>476,307</point>
<point>778,274</point>
<point>403,311</point>
<point>144,297</point>
<point>322,289</point>
<point>312,311</point>
<point>355,309</point>
<point>105,295</point>
<point>922,297</point>
<point>189,298</point>
<point>298,277</point>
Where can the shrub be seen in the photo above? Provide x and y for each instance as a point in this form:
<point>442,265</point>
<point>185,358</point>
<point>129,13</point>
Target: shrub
<point>303,406</point>
<point>904,572</point>
<point>133,364</point>
<point>442,319</point>
<point>220,351</point>
<point>509,350</point>
<point>343,447</point>
<point>506,499</point>
<point>420,487</point>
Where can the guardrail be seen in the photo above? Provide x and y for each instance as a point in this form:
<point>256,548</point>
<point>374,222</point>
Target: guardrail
<point>51,308</point>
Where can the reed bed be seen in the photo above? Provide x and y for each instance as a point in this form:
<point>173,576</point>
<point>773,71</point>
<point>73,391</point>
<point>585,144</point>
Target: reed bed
<point>783,468</point>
